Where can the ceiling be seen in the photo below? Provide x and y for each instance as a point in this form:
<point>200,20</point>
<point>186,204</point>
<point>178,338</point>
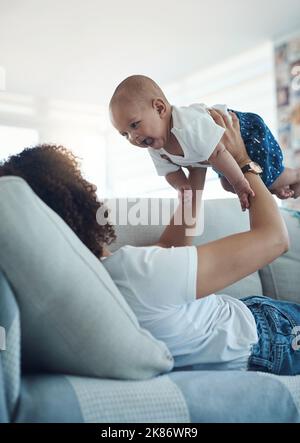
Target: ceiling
<point>80,49</point>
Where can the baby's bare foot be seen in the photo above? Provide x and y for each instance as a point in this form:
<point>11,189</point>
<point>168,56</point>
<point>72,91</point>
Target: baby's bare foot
<point>284,192</point>
<point>296,189</point>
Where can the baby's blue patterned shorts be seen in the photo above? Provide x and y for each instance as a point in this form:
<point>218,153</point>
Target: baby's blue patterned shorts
<point>261,146</point>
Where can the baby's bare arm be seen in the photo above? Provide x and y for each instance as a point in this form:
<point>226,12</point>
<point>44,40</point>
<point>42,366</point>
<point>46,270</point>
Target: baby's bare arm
<point>181,234</point>
<point>223,161</point>
<point>177,179</point>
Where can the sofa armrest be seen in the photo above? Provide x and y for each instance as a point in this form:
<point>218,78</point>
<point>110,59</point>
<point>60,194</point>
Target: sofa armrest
<point>10,357</point>
<point>3,404</point>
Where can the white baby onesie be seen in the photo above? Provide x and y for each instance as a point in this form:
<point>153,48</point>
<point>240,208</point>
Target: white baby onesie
<point>197,134</point>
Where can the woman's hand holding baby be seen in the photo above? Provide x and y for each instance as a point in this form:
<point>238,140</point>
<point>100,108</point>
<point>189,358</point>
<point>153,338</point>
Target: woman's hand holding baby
<point>232,138</point>
<point>233,156</point>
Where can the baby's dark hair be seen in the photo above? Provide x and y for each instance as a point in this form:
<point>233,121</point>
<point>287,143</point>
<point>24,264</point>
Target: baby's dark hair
<point>54,175</point>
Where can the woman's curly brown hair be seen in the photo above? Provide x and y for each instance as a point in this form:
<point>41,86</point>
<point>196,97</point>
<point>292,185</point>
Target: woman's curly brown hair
<point>54,175</point>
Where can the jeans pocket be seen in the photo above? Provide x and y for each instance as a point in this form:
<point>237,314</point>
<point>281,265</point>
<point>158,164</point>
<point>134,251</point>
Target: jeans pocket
<point>280,321</point>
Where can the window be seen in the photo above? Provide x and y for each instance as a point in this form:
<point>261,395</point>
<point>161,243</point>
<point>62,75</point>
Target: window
<point>15,139</point>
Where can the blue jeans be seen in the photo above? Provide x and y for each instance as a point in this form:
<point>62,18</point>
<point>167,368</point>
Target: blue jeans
<point>278,327</point>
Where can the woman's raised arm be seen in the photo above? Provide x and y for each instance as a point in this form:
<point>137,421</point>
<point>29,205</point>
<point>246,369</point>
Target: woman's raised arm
<point>227,260</point>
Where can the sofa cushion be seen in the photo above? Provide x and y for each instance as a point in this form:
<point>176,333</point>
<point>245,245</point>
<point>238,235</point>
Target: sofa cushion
<point>73,318</point>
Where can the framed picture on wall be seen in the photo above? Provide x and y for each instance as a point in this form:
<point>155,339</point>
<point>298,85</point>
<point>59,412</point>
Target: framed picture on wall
<point>287,75</point>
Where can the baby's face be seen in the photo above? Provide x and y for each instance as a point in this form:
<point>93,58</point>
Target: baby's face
<point>142,125</point>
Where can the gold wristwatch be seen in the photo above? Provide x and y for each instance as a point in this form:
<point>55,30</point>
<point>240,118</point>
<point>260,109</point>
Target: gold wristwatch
<point>252,167</point>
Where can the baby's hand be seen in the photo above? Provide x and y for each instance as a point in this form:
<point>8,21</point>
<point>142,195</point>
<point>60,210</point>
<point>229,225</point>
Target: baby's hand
<point>244,191</point>
<point>185,193</point>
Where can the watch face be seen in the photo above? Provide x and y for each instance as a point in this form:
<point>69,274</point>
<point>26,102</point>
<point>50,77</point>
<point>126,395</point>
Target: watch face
<point>255,167</point>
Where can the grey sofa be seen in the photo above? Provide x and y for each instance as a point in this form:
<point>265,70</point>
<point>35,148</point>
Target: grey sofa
<point>177,396</point>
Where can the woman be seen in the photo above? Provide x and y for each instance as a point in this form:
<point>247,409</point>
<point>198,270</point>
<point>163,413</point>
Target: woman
<point>170,286</point>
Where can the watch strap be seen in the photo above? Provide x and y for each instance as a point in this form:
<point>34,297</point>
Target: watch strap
<point>246,168</point>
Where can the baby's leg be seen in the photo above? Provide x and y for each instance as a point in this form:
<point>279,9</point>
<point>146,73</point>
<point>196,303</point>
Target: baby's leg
<point>284,185</point>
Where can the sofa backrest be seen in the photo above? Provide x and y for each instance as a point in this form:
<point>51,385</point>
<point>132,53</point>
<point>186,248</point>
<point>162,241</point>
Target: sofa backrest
<point>222,217</point>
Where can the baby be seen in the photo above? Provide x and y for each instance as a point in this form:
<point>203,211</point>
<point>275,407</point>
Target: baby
<point>179,137</point>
